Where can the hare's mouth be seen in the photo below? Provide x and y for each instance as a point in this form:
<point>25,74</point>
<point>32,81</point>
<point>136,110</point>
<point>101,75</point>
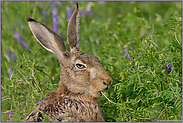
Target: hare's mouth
<point>97,93</point>
<point>100,93</point>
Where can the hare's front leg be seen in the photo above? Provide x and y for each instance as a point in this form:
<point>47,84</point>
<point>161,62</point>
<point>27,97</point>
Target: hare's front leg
<point>34,116</point>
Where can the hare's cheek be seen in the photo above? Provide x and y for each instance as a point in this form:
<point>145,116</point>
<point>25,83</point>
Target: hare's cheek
<point>83,75</point>
<point>93,73</point>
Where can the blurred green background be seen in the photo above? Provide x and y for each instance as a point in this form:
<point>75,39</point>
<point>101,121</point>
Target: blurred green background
<point>138,43</point>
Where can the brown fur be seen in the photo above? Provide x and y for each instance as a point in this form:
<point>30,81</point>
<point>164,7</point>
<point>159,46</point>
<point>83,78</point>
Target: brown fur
<point>81,79</point>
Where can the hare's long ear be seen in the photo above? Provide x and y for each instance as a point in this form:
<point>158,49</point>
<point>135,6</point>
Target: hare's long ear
<point>73,30</point>
<point>48,39</point>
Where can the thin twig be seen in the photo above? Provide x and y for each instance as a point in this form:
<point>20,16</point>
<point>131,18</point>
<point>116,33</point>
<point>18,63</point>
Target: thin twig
<point>109,99</point>
<point>176,38</point>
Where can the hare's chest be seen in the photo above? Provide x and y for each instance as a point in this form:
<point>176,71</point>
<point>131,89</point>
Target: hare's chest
<point>74,110</point>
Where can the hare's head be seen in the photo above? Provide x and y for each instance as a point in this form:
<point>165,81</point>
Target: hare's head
<point>81,73</point>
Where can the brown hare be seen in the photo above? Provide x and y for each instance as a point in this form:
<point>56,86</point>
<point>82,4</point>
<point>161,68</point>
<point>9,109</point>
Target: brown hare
<point>82,77</point>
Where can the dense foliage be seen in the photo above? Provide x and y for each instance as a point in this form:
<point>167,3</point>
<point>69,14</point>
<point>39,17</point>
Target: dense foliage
<point>138,43</point>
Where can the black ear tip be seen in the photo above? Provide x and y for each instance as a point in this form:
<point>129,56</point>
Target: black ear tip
<point>30,19</point>
<point>77,6</point>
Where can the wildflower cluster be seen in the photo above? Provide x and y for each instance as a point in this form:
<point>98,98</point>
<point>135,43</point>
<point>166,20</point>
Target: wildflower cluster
<point>43,12</point>
<point>69,13</point>
<point>14,59</point>
<point>41,100</point>
<point>20,40</point>
<point>169,68</point>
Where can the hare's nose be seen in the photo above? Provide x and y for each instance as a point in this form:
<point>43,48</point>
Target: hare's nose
<point>108,82</point>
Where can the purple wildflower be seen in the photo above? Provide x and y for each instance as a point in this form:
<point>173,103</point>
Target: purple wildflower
<point>146,71</point>
<point>21,26</point>
<point>11,55</point>
<point>10,114</point>
<point>125,54</point>
<point>132,48</point>
<point>129,58</point>
<point>10,72</point>
<point>18,22</point>
<point>54,16</point>
<point>43,11</point>
<point>149,32</point>
<point>87,13</point>
<point>59,2</point>
<point>160,67</point>
<point>88,8</point>
<point>41,98</point>
<point>169,68</point>
<point>8,53</point>
<point>43,14</point>
<point>40,101</point>
<point>39,94</point>
<point>69,13</point>
<point>21,41</point>
<point>38,83</point>
<point>80,14</point>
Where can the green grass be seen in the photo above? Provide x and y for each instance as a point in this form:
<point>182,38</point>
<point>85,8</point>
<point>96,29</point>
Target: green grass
<point>150,33</point>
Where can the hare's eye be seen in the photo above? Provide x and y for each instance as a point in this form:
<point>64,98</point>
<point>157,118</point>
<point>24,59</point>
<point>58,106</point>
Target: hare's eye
<point>80,66</point>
